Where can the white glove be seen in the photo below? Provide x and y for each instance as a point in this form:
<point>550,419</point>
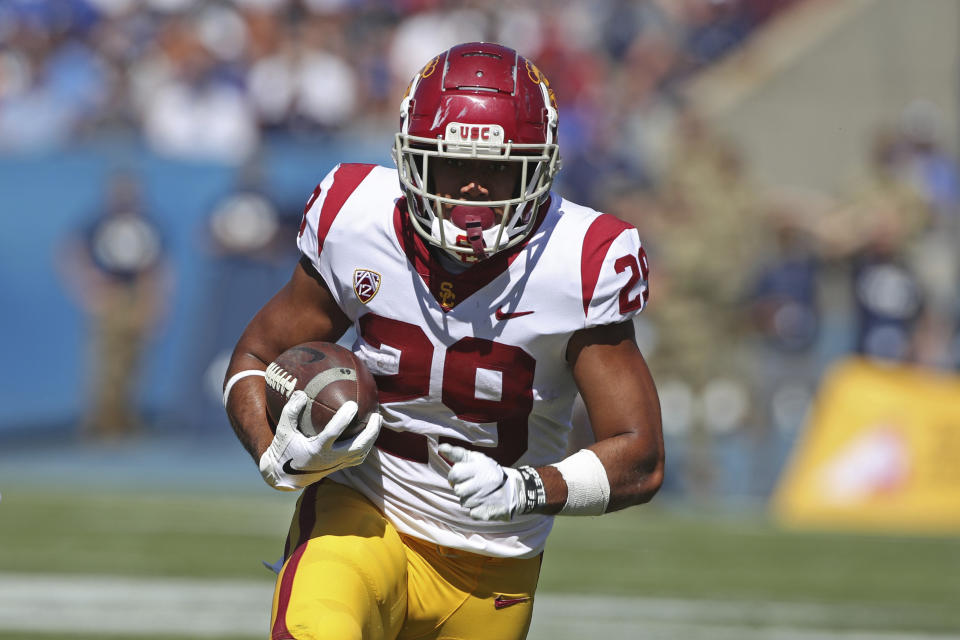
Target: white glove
<point>488,490</point>
<point>294,461</point>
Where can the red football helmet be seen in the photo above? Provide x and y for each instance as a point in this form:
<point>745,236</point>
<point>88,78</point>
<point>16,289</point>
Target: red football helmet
<point>477,101</point>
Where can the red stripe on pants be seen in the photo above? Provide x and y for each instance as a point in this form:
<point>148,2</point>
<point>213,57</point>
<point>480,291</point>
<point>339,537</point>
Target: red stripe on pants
<point>306,518</point>
<point>280,631</point>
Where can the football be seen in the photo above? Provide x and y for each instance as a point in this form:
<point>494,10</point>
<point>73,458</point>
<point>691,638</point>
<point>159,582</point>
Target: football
<point>330,375</point>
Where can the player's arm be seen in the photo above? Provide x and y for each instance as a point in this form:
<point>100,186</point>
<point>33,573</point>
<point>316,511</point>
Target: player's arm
<point>303,310</point>
<point>624,410</point>
<point>623,467</point>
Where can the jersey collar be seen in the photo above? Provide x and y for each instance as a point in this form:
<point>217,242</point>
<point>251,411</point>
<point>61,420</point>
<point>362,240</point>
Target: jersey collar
<point>450,289</point>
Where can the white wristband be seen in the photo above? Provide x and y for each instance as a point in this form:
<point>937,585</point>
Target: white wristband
<point>588,488</point>
<point>236,378</point>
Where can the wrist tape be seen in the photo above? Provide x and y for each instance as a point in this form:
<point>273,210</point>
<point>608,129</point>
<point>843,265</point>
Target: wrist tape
<point>236,378</point>
<point>588,488</point>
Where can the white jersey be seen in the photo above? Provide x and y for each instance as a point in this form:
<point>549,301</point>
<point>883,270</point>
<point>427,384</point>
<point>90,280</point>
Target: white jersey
<point>477,358</point>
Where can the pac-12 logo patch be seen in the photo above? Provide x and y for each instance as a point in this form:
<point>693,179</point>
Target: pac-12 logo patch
<point>366,283</point>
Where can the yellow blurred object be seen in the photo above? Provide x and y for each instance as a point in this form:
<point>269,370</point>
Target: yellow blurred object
<point>880,452</point>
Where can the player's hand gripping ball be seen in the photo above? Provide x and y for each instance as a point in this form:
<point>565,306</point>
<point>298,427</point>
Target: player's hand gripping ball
<point>330,375</point>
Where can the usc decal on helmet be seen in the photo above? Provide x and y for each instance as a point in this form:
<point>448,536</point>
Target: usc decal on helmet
<point>537,77</point>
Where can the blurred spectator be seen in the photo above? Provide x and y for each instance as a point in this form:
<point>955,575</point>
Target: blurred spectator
<point>643,105</point>
<point>784,296</point>
<point>31,115</point>
<point>703,243</point>
<point>116,268</point>
<point>196,107</point>
<point>713,28</point>
<point>422,35</point>
<point>784,300</point>
<point>888,303</point>
<point>931,169</point>
<point>248,242</point>
<point>872,233</point>
<point>307,84</point>
<point>933,255</point>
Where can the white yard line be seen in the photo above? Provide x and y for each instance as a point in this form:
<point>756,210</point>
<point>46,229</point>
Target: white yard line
<point>622,618</point>
<point>209,608</point>
<point>115,605</point>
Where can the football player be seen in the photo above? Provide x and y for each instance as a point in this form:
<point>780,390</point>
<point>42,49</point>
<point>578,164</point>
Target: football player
<point>483,302</point>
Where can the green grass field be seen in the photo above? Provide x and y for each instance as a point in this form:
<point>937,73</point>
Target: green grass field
<point>646,572</point>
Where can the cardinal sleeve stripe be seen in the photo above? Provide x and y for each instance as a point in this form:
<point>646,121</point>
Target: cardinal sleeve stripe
<point>596,242</point>
<point>303,221</point>
<point>346,179</point>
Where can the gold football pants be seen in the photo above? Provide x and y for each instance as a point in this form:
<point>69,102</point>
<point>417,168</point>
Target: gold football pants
<point>349,575</point>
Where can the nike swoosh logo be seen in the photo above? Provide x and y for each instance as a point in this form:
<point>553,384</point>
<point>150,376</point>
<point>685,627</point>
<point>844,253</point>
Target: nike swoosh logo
<point>500,315</point>
<point>503,603</point>
<point>289,468</point>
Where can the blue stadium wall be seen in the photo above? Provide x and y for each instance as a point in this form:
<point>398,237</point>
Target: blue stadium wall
<point>44,197</point>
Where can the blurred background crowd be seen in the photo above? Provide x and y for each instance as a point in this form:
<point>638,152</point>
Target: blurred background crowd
<point>169,146</point>
<point>213,79</point>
